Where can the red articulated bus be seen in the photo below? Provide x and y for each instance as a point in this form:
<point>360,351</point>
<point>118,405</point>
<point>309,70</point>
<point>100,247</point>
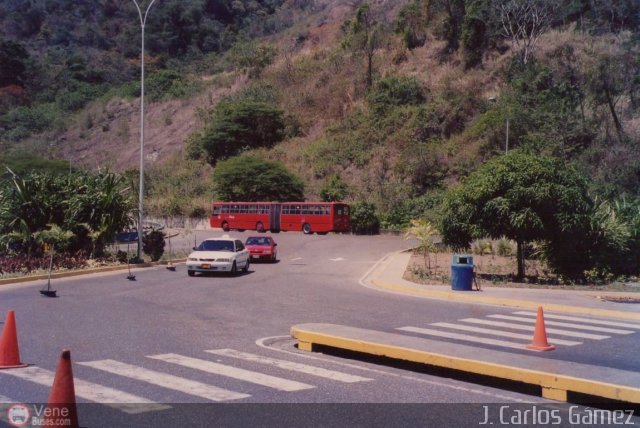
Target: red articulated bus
<point>308,217</point>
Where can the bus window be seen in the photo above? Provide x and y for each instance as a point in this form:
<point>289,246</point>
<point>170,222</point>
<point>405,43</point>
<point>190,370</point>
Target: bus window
<point>216,210</point>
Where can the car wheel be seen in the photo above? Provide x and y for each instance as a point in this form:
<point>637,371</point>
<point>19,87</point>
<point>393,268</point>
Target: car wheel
<point>274,258</point>
<point>306,228</point>
<point>234,269</point>
<point>260,227</point>
<point>191,273</point>
<point>225,226</point>
<point>246,267</point>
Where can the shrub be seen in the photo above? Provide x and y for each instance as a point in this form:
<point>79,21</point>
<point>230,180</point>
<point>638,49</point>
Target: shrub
<point>364,219</point>
<point>237,126</point>
<point>395,91</point>
<point>250,178</point>
<point>333,189</point>
<point>153,244</point>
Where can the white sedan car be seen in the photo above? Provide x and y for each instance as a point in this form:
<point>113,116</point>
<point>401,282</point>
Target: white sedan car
<point>224,254</point>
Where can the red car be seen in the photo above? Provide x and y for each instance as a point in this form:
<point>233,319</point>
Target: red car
<point>262,247</point>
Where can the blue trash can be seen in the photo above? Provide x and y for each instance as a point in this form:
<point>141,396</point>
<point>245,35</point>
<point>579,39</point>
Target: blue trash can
<point>462,272</point>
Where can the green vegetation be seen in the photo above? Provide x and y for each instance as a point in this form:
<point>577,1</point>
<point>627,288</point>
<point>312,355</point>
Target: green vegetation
<point>85,210</point>
<point>249,178</point>
<point>533,198</point>
<point>238,126</point>
<point>153,244</point>
<point>364,218</point>
<point>391,110</point>
<point>333,189</point>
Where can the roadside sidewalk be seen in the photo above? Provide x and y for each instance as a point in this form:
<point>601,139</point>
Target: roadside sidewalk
<point>387,275</point>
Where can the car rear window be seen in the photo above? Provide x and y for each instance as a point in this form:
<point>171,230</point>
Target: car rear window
<point>216,246</point>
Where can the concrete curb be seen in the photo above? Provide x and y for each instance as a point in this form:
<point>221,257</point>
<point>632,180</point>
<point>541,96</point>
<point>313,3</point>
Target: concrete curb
<point>375,280</point>
<point>71,273</point>
<point>554,383</point>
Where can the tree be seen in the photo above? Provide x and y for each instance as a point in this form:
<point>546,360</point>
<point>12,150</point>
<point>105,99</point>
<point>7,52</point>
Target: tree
<point>476,30</point>
<point>364,35</point>
<point>523,197</point>
<point>250,178</point>
<point>524,21</point>
<point>411,24</point>
<point>237,126</point>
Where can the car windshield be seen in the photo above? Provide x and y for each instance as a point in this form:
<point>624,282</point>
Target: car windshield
<point>215,246</point>
<point>257,241</point>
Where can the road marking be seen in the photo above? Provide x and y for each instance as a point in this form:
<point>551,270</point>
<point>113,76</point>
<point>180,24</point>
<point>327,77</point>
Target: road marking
<point>176,383</point>
<point>502,333</point>
<point>288,365</point>
<point>233,372</point>
<point>120,400</point>
<point>297,258</point>
<point>565,324</point>
<point>339,259</point>
<point>464,337</point>
<point>532,327</point>
<point>587,320</point>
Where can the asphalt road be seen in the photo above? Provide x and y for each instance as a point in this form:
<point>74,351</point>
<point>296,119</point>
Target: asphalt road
<point>149,338</point>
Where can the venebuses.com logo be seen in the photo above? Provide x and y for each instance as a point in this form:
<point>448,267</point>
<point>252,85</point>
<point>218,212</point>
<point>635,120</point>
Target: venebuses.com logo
<point>18,415</point>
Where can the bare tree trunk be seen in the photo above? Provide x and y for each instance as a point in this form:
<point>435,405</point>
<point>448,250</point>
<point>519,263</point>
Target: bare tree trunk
<point>614,115</point>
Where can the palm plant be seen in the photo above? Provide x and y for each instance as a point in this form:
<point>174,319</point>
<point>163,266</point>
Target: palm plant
<point>425,233</point>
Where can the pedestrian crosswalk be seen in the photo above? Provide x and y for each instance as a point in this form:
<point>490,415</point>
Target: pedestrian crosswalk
<point>563,330</point>
<point>218,375</point>
<point>201,389</point>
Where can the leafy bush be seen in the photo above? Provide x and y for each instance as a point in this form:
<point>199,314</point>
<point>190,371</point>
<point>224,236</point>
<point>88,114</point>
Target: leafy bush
<point>93,207</point>
<point>168,84</point>
<point>395,91</point>
<point>400,215</point>
<point>250,178</point>
<point>333,189</point>
<point>22,122</point>
<point>80,94</point>
<point>153,244</point>
<point>237,126</point>
<point>364,218</point>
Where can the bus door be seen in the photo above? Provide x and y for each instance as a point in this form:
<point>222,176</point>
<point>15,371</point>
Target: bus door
<point>274,217</point>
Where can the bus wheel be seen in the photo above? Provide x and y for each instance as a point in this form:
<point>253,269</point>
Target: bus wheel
<point>306,228</point>
<point>260,227</point>
<point>225,226</point>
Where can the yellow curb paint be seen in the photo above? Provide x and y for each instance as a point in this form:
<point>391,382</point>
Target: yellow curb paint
<point>475,298</point>
<point>554,386</point>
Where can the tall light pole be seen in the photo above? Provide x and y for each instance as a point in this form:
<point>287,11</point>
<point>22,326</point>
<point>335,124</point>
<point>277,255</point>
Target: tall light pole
<point>143,21</point>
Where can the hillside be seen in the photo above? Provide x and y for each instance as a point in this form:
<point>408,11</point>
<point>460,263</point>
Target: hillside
<point>443,87</point>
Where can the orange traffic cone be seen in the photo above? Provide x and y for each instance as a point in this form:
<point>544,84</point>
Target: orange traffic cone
<point>9,352</point>
<point>61,407</point>
<point>540,335</point>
